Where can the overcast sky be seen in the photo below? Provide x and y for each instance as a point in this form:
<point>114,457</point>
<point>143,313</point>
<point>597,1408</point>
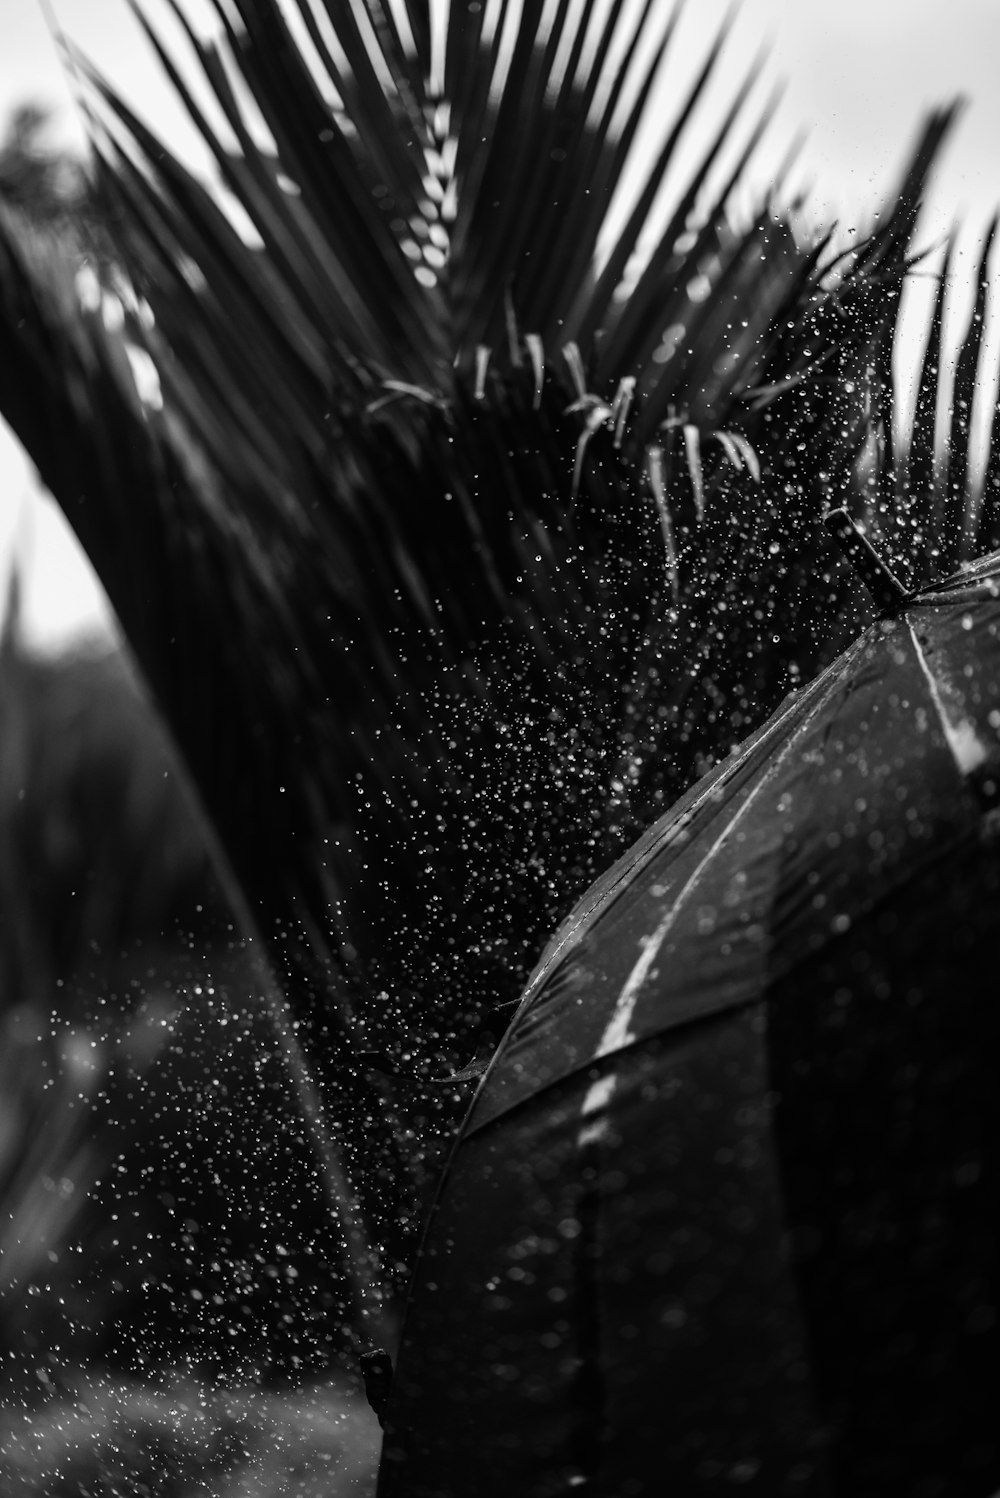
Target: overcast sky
<point>858,76</point>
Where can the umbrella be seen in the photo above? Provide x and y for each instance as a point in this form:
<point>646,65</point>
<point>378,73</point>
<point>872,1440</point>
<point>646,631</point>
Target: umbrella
<point>722,1215</point>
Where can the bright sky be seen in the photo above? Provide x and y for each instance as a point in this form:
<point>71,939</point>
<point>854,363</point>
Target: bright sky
<point>859,74</point>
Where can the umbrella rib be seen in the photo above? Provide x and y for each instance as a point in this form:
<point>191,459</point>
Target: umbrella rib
<point>618,1032</point>
<point>577,921</point>
<point>575,924</point>
<point>967,748</point>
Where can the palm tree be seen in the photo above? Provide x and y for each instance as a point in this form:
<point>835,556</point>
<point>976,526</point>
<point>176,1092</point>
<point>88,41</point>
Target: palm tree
<point>471,509</point>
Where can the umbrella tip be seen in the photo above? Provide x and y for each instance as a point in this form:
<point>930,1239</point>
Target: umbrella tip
<point>882,583</point>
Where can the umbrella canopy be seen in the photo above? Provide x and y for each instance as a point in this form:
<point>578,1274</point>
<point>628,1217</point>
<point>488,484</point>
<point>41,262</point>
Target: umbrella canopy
<point>723,1214</point>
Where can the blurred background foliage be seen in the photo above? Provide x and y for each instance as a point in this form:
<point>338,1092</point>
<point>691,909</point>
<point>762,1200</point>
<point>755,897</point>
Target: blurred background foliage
<point>451,534</point>
<point>165,1237</point>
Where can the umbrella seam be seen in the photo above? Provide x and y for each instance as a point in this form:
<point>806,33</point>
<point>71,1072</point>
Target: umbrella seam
<point>965,745</point>
<point>595,1106</point>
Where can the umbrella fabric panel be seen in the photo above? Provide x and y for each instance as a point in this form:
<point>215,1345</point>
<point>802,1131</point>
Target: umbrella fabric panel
<point>853,789</point>
<point>572,1015</point>
<point>899,771</point>
<point>561,1024</point>
<point>959,652</point>
<point>677,826</point>
<point>884,1055</point>
<point>474,1370</point>
<point>605,1300</point>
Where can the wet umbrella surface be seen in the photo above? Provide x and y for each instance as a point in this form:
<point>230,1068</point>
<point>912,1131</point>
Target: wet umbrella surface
<point>723,1215</point>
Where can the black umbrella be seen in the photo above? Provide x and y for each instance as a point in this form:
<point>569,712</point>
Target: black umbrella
<point>723,1214</point>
